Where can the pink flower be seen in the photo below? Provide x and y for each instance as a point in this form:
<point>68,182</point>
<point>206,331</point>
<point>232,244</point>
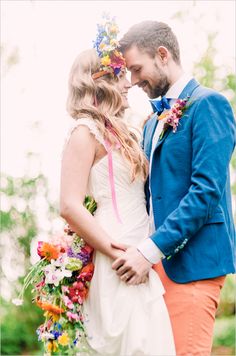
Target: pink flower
<point>62,240</point>
<point>72,316</point>
<point>65,289</point>
<point>173,116</point>
<point>68,303</point>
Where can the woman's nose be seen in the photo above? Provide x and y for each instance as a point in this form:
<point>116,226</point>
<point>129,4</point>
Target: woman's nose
<point>128,84</point>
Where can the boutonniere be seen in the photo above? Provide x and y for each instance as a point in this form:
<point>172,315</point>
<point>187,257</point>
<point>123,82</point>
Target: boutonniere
<point>172,116</point>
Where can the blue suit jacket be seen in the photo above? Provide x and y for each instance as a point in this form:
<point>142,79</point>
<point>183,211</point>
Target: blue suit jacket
<point>190,186</point>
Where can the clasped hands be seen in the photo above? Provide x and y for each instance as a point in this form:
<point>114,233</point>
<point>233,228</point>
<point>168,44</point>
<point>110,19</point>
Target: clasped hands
<point>131,266</point>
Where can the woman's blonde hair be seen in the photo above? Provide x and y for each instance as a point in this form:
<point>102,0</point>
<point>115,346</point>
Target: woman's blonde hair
<point>100,100</point>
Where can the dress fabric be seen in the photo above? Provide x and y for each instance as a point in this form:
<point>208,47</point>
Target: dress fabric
<point>123,320</point>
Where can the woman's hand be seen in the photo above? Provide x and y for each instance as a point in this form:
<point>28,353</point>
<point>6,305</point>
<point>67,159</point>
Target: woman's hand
<point>118,249</point>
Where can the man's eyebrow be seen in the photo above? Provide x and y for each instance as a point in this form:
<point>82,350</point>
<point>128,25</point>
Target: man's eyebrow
<point>131,67</point>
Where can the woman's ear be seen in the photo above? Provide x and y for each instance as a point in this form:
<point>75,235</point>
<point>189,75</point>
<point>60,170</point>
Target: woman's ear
<point>163,54</point>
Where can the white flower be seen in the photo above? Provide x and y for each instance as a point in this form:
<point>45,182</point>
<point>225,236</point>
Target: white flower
<point>17,301</point>
<point>61,261</point>
<point>56,271</point>
<point>47,336</point>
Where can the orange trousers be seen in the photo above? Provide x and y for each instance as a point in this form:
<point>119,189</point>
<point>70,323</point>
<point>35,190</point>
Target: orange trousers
<point>192,308</point>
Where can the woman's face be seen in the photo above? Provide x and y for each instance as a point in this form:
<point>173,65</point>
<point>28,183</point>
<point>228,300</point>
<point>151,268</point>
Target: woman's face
<point>123,85</point>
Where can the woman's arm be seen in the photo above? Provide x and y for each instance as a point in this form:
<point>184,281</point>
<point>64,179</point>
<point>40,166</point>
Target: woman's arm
<point>78,158</point>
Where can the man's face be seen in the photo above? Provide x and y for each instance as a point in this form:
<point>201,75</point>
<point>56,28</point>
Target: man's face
<point>146,72</point>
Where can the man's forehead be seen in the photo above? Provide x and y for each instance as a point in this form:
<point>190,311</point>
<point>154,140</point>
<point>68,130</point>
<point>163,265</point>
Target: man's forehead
<point>134,56</point>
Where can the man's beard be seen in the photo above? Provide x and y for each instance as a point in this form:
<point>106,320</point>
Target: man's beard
<point>161,88</point>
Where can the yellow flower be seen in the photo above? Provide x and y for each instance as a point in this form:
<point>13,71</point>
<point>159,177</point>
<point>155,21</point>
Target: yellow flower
<point>105,61</point>
<point>113,42</point>
<point>52,346</point>
<point>114,29</point>
<point>162,116</point>
<point>102,46</point>
<point>63,339</point>
<point>55,317</point>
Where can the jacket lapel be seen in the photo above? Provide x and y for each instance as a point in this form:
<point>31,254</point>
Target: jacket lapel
<point>150,132</point>
<point>188,90</point>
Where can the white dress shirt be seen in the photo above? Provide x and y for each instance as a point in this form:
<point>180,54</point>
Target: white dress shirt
<point>147,247</point>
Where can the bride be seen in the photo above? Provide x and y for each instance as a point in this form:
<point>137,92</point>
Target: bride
<point>102,158</point>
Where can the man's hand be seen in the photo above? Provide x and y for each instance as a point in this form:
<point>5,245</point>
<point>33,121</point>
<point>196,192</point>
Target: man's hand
<point>132,267</point>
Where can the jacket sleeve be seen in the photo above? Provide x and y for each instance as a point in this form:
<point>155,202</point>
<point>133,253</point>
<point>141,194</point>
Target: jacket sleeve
<point>213,141</point>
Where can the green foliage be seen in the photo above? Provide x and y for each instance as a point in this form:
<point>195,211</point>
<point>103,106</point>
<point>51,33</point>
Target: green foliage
<point>20,225</point>
<point>205,69</point>
<point>213,76</point>
<point>19,219</point>
<point>18,331</point>
<point>227,297</point>
<point>224,332</point>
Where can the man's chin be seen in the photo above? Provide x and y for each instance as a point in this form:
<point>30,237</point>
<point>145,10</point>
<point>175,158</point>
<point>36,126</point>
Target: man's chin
<point>150,95</point>
<point>147,91</point>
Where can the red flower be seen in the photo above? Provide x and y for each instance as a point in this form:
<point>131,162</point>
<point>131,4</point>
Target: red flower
<point>86,273</point>
<point>77,292</point>
<point>88,249</point>
<point>117,60</point>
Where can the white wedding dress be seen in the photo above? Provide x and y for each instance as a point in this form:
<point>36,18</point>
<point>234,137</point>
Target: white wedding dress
<point>123,320</point>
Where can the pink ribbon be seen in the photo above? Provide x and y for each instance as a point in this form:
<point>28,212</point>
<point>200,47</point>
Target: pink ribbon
<point>110,166</point>
<point>111,179</point>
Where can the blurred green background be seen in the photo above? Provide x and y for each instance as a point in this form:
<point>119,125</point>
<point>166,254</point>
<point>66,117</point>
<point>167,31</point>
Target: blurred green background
<point>26,202</point>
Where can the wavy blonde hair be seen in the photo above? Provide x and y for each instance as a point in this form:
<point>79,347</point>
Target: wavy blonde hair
<point>100,100</point>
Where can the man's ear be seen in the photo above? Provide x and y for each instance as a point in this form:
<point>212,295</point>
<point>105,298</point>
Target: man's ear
<point>163,54</point>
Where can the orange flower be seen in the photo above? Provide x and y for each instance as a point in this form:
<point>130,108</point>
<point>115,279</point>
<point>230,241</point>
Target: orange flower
<point>54,309</point>
<point>86,273</point>
<point>89,268</point>
<point>51,252</point>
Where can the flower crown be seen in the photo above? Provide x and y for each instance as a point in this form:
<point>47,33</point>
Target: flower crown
<point>106,45</point>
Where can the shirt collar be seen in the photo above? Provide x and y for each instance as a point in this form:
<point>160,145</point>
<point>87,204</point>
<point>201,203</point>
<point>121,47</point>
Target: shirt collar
<point>176,89</point>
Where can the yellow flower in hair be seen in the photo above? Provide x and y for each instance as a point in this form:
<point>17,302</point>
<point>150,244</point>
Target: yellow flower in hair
<point>105,61</point>
<point>63,339</point>
<point>114,42</point>
<point>102,46</point>
<point>106,45</point>
<point>114,29</point>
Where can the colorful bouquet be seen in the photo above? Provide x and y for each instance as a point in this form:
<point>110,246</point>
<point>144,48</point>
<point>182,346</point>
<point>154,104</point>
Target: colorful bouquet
<point>61,280</point>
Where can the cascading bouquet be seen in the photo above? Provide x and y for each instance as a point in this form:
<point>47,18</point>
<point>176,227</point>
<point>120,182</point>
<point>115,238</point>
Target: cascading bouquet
<point>61,280</point>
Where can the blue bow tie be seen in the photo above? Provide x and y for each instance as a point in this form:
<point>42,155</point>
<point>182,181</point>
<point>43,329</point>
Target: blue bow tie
<point>159,105</point>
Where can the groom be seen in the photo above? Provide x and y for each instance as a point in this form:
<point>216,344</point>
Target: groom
<point>188,192</point>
